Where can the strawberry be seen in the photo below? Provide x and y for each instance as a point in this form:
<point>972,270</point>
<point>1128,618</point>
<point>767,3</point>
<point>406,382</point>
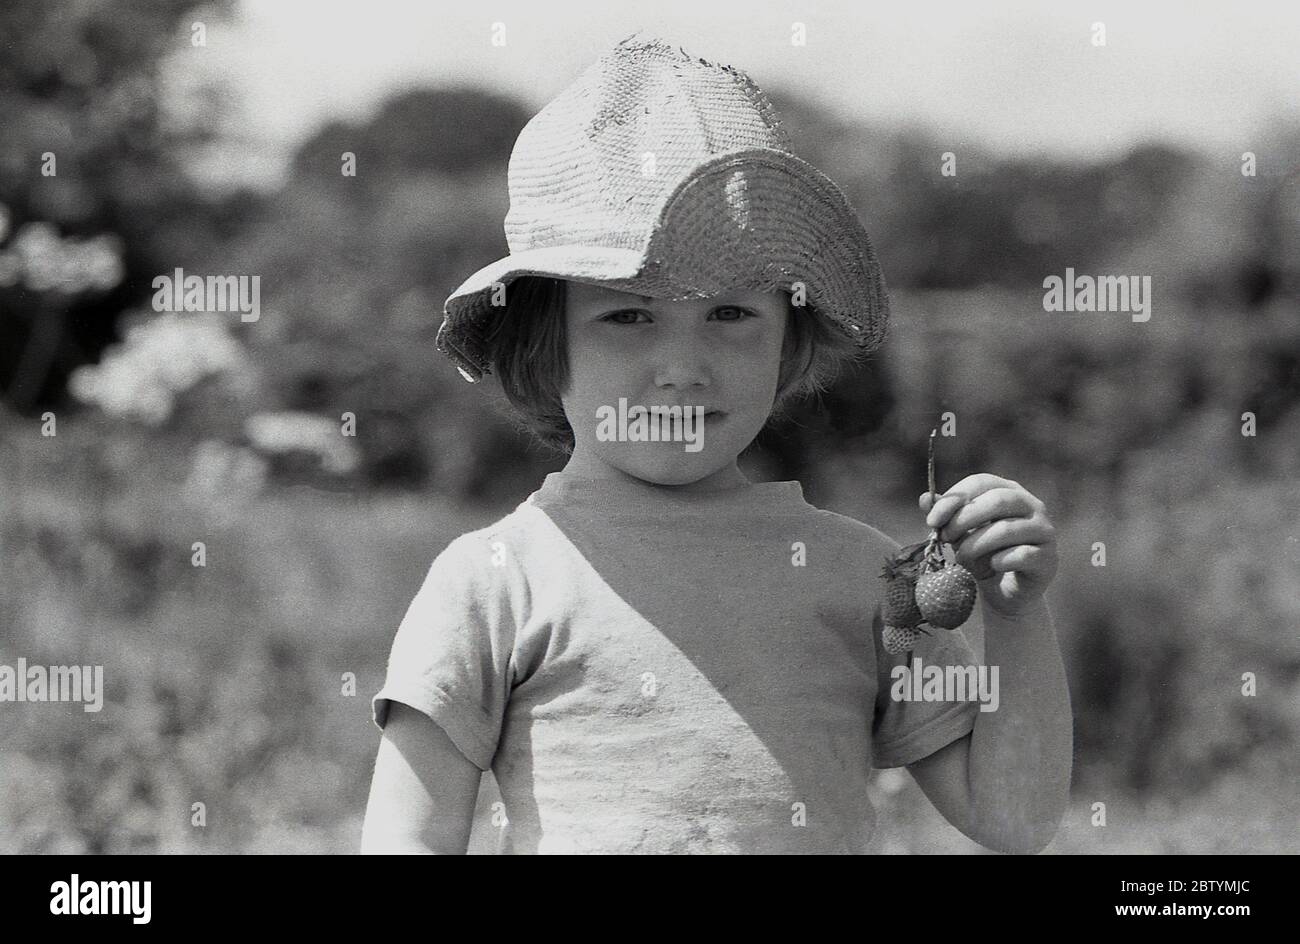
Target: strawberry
<point>900,602</point>
<point>900,575</point>
<point>946,596</point>
<point>899,639</point>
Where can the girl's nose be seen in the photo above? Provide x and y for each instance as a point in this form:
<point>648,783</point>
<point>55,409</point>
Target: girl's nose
<point>683,371</point>
<point>681,360</point>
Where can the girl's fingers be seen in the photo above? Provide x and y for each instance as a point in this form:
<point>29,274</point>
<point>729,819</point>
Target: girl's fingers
<point>984,508</point>
<point>959,494</point>
<point>942,510</point>
<point>1026,558</point>
<point>1001,534</point>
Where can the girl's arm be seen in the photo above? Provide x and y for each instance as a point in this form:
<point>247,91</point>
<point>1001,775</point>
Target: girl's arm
<point>424,790</point>
<point>1007,783</point>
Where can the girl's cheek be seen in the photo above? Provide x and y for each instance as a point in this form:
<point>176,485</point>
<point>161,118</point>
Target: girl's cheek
<point>754,336</point>
<point>750,351</point>
<point>608,356</point>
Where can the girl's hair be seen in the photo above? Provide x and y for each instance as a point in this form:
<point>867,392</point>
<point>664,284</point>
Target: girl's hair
<point>527,348</point>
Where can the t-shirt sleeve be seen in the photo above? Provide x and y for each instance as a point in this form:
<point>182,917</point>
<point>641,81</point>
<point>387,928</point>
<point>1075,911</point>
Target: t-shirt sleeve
<point>451,657</point>
<point>904,732</point>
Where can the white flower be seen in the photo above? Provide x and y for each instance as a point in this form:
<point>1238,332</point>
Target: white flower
<point>159,359</point>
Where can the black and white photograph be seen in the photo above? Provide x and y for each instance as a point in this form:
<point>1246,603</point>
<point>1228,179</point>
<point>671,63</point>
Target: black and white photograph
<point>736,428</point>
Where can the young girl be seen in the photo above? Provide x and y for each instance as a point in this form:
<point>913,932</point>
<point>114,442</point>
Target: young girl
<point>651,653</point>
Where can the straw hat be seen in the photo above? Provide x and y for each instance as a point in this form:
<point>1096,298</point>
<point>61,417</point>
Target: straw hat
<point>660,174</point>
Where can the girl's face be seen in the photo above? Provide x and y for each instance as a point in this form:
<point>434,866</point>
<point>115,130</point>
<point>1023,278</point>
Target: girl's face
<point>721,353</point>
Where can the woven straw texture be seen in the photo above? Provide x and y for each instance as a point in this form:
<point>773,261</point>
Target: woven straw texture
<point>665,175</point>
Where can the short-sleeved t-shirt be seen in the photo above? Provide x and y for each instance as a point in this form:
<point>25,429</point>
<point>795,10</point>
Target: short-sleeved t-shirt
<point>646,670</point>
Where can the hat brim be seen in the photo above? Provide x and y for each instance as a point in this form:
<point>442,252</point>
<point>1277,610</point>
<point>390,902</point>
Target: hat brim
<point>754,217</point>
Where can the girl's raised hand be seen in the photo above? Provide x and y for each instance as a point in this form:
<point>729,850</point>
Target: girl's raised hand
<point>1000,532</point>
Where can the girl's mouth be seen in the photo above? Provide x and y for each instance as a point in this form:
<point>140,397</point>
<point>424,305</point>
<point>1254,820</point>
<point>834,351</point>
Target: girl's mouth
<point>685,412</point>
<point>685,419</point>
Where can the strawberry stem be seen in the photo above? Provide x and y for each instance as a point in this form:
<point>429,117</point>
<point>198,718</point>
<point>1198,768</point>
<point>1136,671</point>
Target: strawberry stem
<point>933,556</point>
<point>930,469</point>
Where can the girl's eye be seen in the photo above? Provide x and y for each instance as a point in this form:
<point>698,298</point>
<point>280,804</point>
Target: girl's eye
<point>722,312</point>
<point>622,317</point>
<point>740,313</point>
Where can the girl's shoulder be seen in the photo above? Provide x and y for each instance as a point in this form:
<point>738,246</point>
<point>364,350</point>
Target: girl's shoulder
<point>857,535</point>
<point>501,549</point>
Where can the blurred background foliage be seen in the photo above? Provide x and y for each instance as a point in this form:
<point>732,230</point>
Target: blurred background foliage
<point>223,682</point>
